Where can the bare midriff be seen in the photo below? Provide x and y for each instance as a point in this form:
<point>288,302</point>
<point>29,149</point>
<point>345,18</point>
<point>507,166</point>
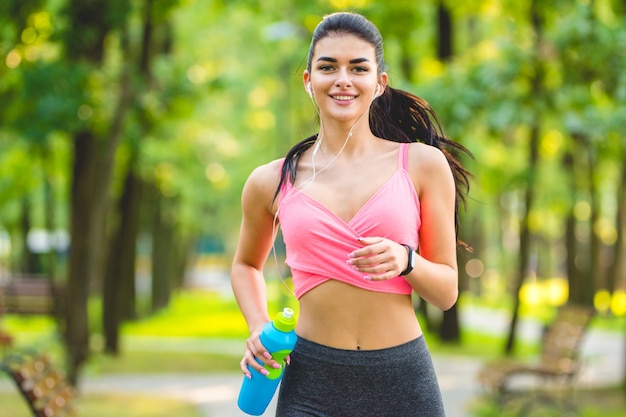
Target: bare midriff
<point>342,316</point>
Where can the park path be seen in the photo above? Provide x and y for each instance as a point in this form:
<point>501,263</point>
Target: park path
<point>216,395</point>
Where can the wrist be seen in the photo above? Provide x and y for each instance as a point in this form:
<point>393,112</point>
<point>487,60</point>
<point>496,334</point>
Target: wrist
<point>410,264</point>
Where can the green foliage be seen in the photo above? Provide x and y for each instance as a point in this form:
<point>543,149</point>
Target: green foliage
<point>229,97</point>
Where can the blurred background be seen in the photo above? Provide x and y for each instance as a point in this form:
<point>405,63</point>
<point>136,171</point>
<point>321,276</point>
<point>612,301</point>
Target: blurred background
<point>127,130</point>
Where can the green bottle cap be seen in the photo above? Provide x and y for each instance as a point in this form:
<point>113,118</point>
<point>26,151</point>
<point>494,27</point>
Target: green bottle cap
<point>285,321</point>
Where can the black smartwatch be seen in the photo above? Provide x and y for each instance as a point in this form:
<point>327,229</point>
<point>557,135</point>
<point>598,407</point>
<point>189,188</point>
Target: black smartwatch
<point>411,260</point>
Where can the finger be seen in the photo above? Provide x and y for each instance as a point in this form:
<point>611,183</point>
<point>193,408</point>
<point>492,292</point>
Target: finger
<point>244,368</point>
<point>371,240</point>
<point>261,354</point>
<point>380,277</point>
<point>257,349</point>
<point>250,362</point>
<point>373,261</point>
<point>366,257</point>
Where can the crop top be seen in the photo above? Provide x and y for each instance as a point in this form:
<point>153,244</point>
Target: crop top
<point>318,241</point>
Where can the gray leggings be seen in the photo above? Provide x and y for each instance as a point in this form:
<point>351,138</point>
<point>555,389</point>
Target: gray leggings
<point>326,382</point>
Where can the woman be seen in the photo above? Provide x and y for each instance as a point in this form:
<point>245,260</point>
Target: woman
<point>354,203</point>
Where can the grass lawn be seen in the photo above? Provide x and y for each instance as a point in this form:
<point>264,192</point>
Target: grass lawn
<point>605,402</point>
<point>145,362</point>
<point>96,405</point>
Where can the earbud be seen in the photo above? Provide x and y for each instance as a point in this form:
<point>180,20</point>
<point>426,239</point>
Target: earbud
<point>377,90</point>
<point>308,89</point>
<point>317,147</point>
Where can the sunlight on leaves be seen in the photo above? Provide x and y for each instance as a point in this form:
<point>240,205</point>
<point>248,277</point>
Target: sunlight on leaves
<point>261,120</point>
<point>582,210</point>
<point>551,142</point>
<point>346,4</point>
<point>618,303</point>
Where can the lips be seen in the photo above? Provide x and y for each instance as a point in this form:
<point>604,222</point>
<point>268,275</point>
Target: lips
<point>343,97</point>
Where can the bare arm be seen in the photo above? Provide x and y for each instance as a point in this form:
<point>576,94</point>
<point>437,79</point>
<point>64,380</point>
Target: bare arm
<point>255,241</point>
<point>434,276</point>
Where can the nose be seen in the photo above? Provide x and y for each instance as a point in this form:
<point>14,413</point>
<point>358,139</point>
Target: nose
<point>343,78</point>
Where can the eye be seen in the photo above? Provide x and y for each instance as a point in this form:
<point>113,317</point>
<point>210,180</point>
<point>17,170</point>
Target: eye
<point>326,67</point>
<point>361,69</point>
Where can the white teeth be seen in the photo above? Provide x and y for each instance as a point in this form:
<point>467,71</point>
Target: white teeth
<point>343,98</point>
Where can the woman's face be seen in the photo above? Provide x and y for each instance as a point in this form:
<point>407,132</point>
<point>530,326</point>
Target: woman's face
<point>344,77</point>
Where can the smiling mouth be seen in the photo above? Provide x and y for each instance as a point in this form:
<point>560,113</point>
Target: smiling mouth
<point>343,98</point>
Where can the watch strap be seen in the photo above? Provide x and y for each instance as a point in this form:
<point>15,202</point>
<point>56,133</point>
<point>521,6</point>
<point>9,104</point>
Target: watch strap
<point>409,263</point>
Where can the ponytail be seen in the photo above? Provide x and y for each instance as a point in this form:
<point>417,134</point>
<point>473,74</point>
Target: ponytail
<point>400,116</point>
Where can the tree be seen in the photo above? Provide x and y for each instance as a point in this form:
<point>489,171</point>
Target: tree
<point>531,180</point>
<point>119,302</point>
<point>95,146</point>
<point>450,330</point>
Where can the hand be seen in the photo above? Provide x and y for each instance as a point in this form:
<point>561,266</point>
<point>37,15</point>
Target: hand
<point>380,258</point>
<point>256,351</point>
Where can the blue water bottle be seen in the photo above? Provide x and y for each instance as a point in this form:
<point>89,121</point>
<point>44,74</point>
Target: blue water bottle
<point>279,339</point>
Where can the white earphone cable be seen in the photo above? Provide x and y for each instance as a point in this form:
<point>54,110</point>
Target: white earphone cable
<point>311,179</point>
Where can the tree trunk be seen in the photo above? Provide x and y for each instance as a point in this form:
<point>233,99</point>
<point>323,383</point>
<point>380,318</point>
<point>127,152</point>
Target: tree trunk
<point>445,32</point>
<point>617,272</point>
<point>128,243</point>
<point>29,263</point>
<point>529,198</point>
<point>449,330</point>
<point>162,253</point>
<point>86,208</point>
<point>120,292</point>
<point>92,171</point>
<point>583,256</point>
<point>119,282</point>
<point>593,279</point>
<point>571,242</point>
<point>525,236</point>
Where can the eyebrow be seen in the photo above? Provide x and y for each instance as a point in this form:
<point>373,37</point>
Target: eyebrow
<point>352,61</point>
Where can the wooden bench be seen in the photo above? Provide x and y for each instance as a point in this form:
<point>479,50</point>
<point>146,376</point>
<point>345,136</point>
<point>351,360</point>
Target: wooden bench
<point>43,386</point>
<point>30,295</point>
<point>553,374</point>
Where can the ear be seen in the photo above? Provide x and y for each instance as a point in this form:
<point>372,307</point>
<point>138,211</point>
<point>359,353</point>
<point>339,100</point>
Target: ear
<point>383,80</point>
<point>306,79</point>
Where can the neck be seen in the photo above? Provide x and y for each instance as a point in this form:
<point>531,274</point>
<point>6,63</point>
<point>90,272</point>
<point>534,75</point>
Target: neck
<point>336,134</point>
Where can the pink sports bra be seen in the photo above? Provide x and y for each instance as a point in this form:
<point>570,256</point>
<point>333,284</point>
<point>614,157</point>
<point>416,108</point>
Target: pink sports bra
<point>318,241</point>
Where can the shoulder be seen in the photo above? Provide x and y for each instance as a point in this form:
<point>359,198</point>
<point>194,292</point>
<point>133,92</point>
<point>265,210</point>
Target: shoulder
<point>262,182</point>
<point>426,158</point>
<point>266,173</point>
<point>428,166</point>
